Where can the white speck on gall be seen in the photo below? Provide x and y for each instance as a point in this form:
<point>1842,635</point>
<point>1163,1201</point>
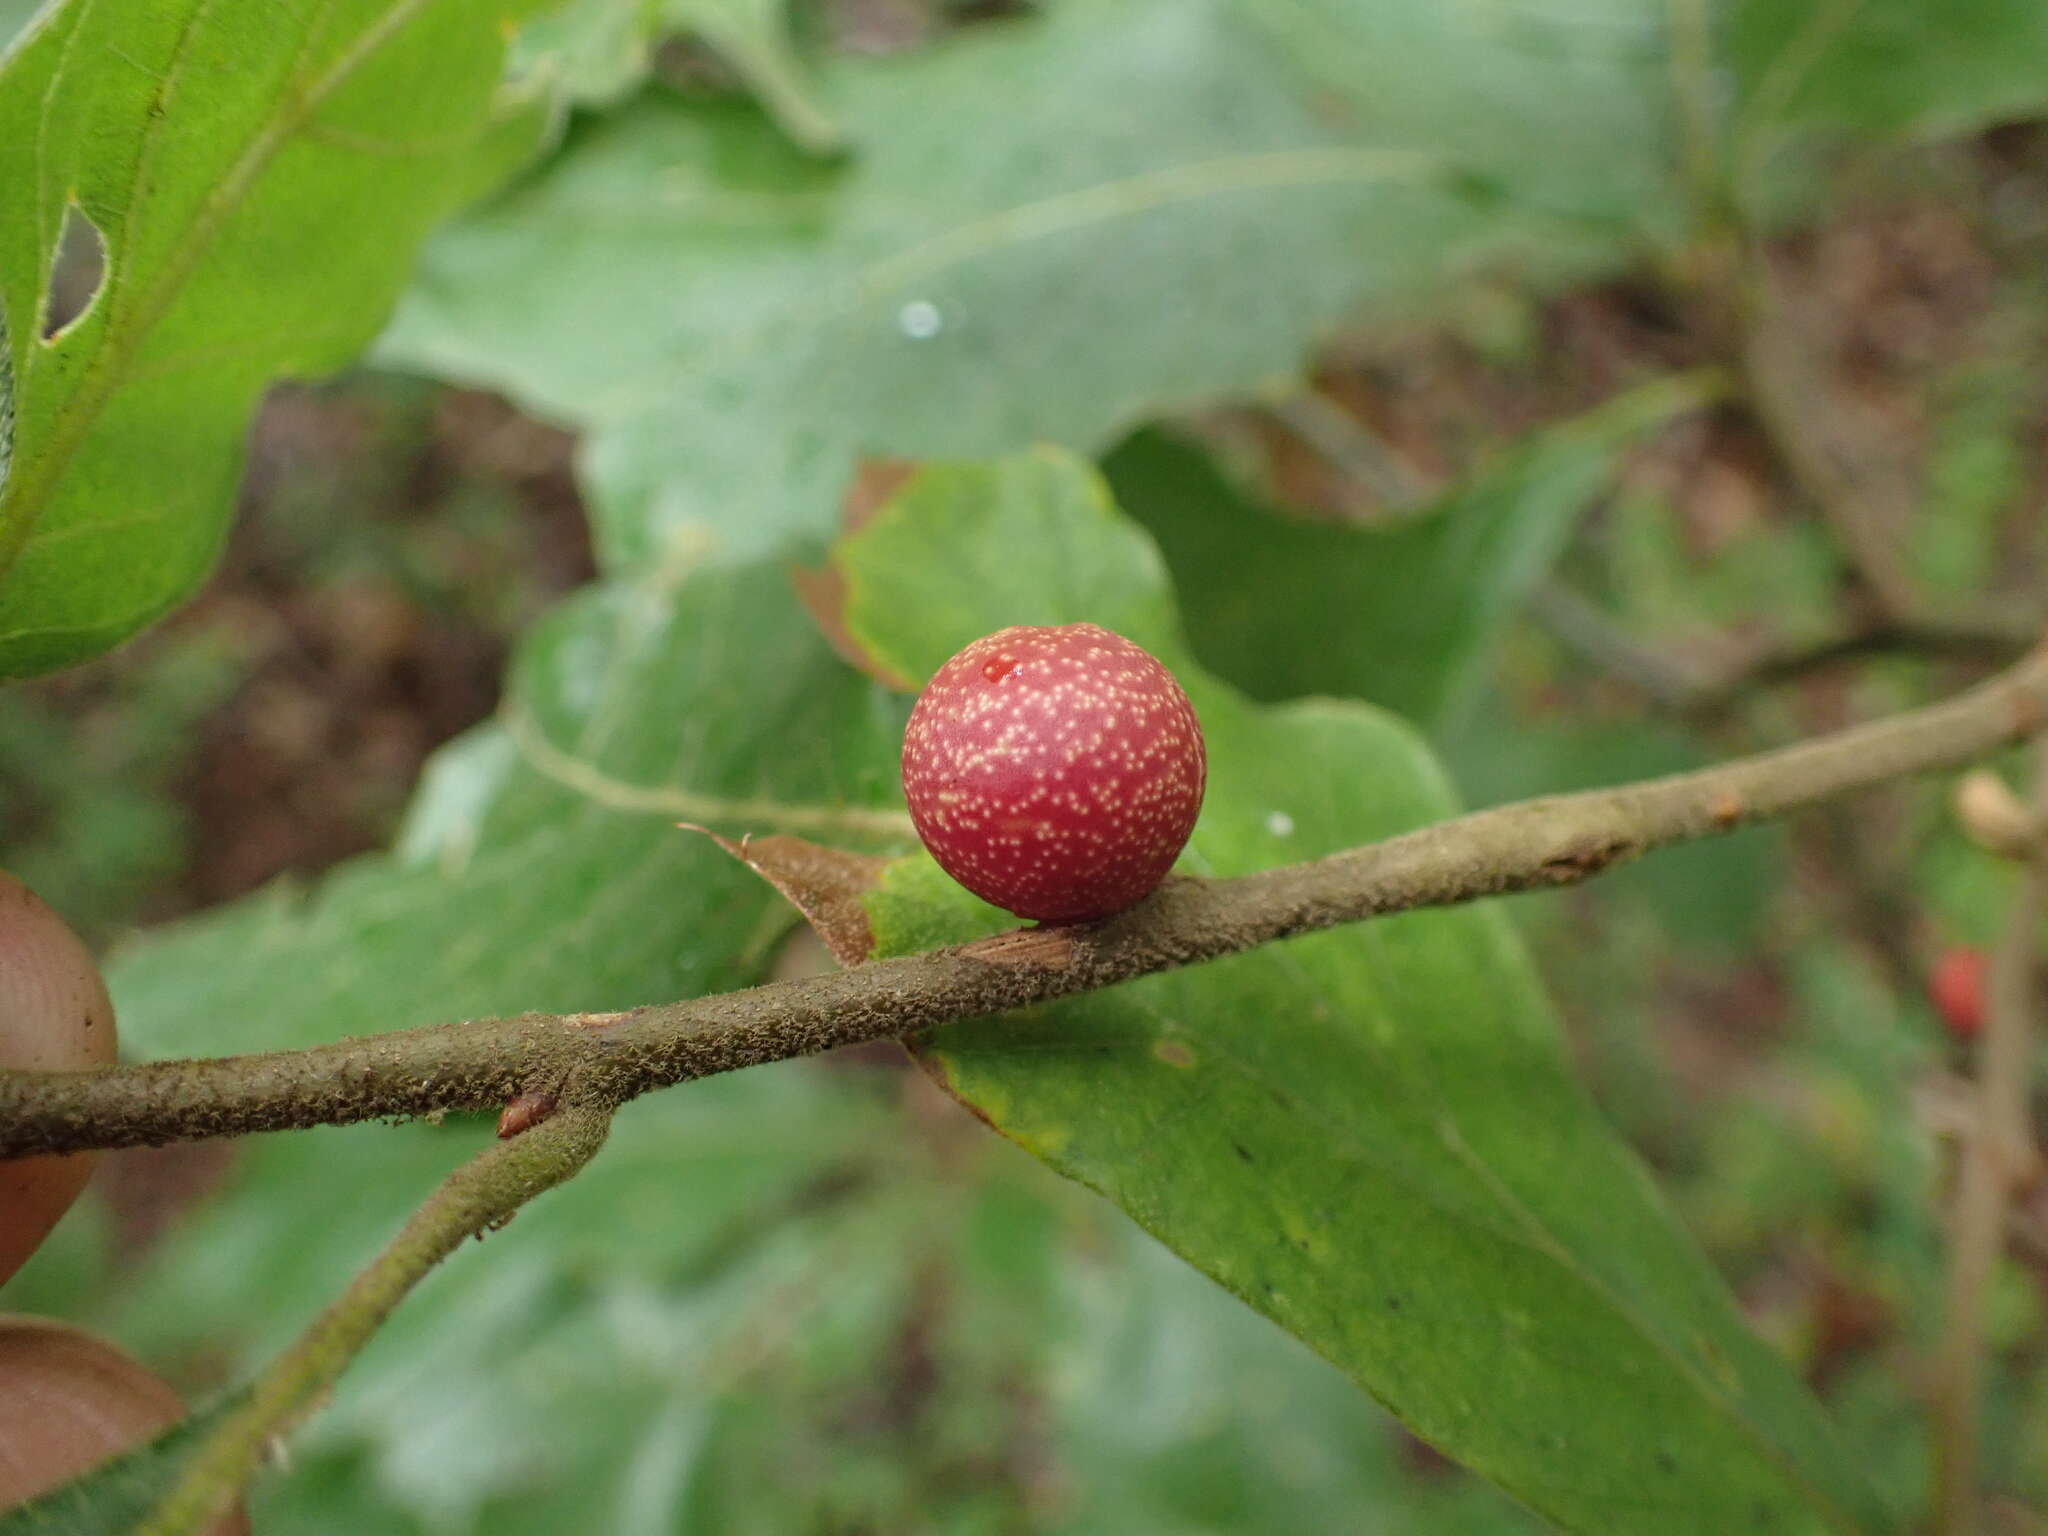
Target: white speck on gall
<point>1075,706</point>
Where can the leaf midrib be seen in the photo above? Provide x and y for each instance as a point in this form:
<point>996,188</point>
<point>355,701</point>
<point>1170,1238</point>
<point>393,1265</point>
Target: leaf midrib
<point>971,238</point>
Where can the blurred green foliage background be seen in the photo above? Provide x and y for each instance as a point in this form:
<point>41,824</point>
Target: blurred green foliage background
<point>1542,373</point>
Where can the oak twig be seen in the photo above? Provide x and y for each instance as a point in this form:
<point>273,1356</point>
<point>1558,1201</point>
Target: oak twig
<point>481,1064</point>
<point>477,1197</point>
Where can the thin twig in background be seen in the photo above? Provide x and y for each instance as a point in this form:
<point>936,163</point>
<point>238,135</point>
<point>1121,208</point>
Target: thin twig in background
<point>1671,683</point>
<point>1703,694</point>
<point>477,1197</point>
<point>482,1064</point>
<point>1998,1158</point>
<point>1787,395</point>
<point>1865,500</point>
<point>1353,449</point>
<point>1990,639</point>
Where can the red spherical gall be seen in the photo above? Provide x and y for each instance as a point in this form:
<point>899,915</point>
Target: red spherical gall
<point>69,1400</point>
<point>1054,771</point>
<point>1957,990</point>
<point>54,1016</point>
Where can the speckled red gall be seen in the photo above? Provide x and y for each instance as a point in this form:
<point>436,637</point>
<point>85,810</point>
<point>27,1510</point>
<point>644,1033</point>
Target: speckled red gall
<point>1054,771</point>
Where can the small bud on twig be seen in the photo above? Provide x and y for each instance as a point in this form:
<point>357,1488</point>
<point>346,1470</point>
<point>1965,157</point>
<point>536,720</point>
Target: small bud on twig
<point>1993,817</point>
<point>524,1113</point>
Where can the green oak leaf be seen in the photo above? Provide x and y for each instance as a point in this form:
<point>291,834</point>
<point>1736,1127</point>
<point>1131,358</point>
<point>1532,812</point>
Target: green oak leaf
<point>1401,614</point>
<point>695,1335</point>
<point>1885,68</point>
<point>258,178</point>
<point>541,866</point>
<point>725,1290</point>
<point>1562,109</point>
<point>627,1346</point>
<point>1371,1135</point>
<point>1051,229</point>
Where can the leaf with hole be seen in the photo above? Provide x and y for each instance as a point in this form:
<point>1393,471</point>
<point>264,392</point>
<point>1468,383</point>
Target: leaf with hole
<point>203,198</point>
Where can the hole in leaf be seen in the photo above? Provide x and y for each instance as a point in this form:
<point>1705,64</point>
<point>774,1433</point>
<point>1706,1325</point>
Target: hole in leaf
<point>77,273</point>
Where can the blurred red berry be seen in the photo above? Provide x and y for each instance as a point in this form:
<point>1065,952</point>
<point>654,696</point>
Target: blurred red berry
<point>1957,990</point>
